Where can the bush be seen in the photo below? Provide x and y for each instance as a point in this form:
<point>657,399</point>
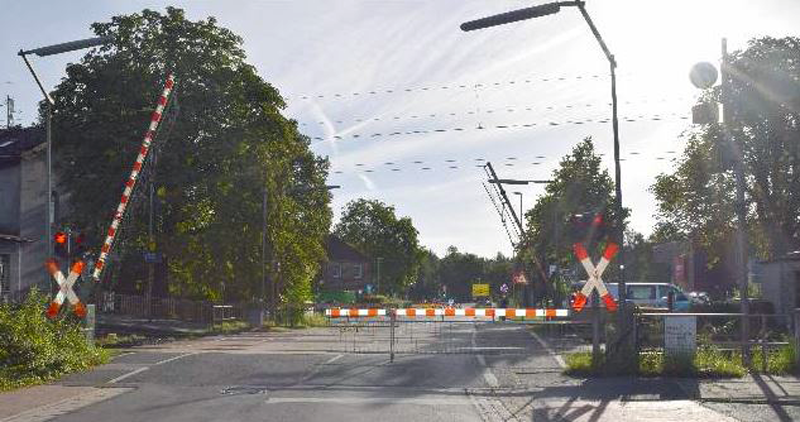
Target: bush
<point>34,349</point>
<point>580,364</point>
<point>781,361</point>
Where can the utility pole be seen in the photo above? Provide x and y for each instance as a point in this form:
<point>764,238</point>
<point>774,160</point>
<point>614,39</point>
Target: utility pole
<point>264,271</point>
<point>151,241</point>
<point>9,112</point>
<point>737,146</point>
<point>378,281</point>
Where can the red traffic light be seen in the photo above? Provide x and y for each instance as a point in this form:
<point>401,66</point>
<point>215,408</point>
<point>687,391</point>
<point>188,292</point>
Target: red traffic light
<point>60,238</point>
<point>79,239</point>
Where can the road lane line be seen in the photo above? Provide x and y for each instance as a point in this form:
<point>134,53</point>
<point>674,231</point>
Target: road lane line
<point>433,401</point>
<point>488,376</point>
<point>129,374</point>
<point>145,368</point>
<point>333,359</point>
<point>550,350</point>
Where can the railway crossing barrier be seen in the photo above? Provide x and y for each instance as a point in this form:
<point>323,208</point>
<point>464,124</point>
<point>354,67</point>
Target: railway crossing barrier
<point>441,330</point>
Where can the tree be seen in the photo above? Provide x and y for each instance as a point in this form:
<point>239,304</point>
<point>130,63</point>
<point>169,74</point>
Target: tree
<point>696,201</point>
<point>373,228</point>
<point>223,142</point>
<point>579,187</point>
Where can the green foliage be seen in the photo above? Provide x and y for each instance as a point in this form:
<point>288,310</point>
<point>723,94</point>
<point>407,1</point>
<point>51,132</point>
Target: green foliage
<point>579,364</point>
<point>224,141</point>
<point>780,361</point>
<point>373,228</point>
<point>34,349</point>
<point>579,186</point>
<point>695,201</point>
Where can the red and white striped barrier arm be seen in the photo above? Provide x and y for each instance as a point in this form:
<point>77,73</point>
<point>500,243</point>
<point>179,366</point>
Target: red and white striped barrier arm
<point>155,119</point>
<point>354,312</point>
<point>451,312</point>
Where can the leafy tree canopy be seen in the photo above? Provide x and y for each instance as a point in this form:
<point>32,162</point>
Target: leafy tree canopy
<point>696,202</point>
<point>373,228</point>
<point>223,142</point>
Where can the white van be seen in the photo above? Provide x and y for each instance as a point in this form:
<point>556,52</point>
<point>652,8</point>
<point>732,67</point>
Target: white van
<point>651,295</point>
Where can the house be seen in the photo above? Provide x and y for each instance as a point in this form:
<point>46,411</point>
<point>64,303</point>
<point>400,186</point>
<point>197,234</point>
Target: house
<point>780,283</point>
<point>23,187</point>
<point>346,269</point>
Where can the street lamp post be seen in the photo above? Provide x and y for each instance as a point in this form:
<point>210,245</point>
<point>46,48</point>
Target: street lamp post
<point>521,220</point>
<point>44,52</point>
<point>549,9</point>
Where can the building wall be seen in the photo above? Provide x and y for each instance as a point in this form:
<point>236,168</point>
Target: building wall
<point>779,285</point>
<point>9,199</point>
<point>32,215</point>
<point>347,280</point>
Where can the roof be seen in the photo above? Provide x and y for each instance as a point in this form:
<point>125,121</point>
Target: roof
<point>338,250</point>
<point>13,238</point>
<point>16,140</point>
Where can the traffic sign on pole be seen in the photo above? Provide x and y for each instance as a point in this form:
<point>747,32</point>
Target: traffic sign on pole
<point>65,288</point>
<point>595,274</point>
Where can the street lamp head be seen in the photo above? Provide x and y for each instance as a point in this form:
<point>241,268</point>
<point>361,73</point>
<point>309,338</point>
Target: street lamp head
<point>513,16</point>
<point>67,46</point>
<point>518,193</point>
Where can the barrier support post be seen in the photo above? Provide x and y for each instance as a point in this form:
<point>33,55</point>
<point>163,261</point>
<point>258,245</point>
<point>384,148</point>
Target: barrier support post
<point>596,352</point>
<point>392,320</point>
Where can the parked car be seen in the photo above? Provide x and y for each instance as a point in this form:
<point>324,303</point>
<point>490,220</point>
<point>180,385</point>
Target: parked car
<point>699,298</point>
<point>650,295</point>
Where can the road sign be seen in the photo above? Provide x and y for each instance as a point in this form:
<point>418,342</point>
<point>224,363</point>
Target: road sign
<point>504,288</point>
<point>65,288</point>
<point>519,277</point>
<point>480,290</point>
<point>595,277</point>
<point>152,258</point>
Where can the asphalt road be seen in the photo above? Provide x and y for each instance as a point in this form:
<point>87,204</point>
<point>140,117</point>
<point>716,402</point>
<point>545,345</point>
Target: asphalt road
<point>461,371</point>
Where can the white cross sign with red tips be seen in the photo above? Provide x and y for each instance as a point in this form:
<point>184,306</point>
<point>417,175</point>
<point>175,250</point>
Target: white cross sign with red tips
<point>595,274</point>
<point>65,288</point>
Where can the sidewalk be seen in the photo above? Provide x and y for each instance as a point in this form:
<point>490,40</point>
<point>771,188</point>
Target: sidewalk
<point>111,323</point>
<point>749,389</point>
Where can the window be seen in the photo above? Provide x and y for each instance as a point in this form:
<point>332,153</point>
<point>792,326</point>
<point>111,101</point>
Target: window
<point>336,270</point>
<point>5,274</point>
<point>357,271</point>
<point>641,292</point>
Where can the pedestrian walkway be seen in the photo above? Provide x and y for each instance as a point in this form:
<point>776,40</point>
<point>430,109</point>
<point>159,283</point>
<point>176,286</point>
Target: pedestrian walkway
<point>752,388</point>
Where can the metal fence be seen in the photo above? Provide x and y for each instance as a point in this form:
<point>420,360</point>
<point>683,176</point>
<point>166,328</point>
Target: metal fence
<point>727,332</point>
<point>172,308</point>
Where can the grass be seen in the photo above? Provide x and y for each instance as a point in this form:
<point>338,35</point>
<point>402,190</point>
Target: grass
<point>780,361</point>
<point>229,327</point>
<point>707,363</point>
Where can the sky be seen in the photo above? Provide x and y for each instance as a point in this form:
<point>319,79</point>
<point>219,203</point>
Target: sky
<point>407,106</point>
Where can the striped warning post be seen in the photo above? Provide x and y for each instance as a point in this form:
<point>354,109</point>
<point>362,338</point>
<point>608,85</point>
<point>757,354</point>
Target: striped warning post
<point>354,312</point>
<point>450,312</point>
<point>155,119</point>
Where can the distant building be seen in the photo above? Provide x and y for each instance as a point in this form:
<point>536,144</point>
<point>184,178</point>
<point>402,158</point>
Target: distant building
<point>689,268</point>
<point>23,207</point>
<point>780,283</point>
<point>346,269</point>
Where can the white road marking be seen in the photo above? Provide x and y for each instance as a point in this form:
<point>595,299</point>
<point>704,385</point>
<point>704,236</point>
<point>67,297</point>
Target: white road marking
<point>432,401</point>
<point>62,407</point>
<point>129,374</point>
<point>488,376</point>
<point>550,350</point>
<point>333,359</point>
<point>145,368</point>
